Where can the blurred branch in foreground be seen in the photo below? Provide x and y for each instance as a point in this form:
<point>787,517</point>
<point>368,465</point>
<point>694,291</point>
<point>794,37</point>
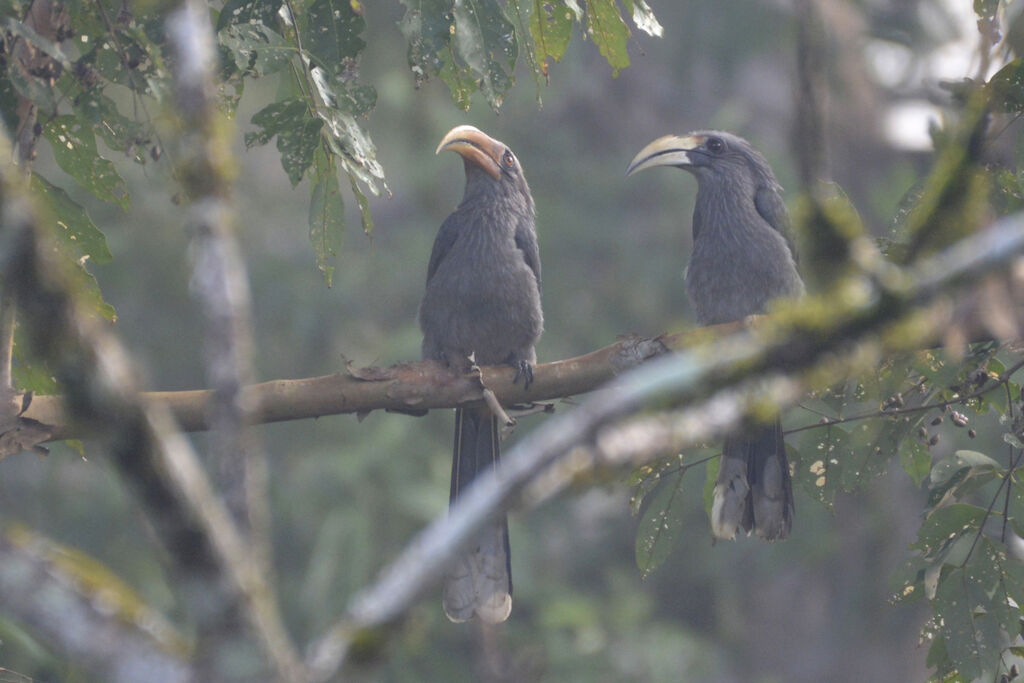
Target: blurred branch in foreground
<point>708,391</point>
<point>203,546</point>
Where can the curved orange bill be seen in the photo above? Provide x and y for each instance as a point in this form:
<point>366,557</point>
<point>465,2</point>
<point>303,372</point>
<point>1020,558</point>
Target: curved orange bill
<point>475,146</point>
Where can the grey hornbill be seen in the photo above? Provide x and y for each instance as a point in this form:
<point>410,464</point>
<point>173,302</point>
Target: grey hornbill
<point>742,259</point>
<point>482,301</point>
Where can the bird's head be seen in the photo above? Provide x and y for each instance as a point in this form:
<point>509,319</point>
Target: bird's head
<point>713,156</point>
<point>490,164</point>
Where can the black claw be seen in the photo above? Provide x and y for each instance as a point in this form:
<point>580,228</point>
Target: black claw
<point>524,370</point>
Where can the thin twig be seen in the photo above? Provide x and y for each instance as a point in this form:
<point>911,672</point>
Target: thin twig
<point>887,412</point>
<point>492,402</point>
<point>7,321</point>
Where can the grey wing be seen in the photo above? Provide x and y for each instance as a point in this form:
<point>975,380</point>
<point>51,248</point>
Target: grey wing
<point>770,206</point>
<point>526,240</point>
<point>446,237</point>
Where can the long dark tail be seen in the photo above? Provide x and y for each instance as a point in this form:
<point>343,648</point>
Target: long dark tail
<point>479,582</point>
<point>753,490</point>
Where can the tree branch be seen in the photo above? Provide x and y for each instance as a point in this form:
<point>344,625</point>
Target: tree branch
<point>716,386</point>
<point>404,387</point>
<point>422,386</point>
<point>96,622</point>
<point>204,550</point>
<point>219,281</point>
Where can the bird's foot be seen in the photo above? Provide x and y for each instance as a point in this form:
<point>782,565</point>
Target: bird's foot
<point>524,370</point>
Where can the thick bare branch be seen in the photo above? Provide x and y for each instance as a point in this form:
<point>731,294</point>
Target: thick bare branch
<point>422,386</point>
<point>405,387</point>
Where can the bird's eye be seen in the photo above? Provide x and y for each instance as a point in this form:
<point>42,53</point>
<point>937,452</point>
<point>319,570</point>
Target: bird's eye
<point>715,145</point>
<point>509,160</point>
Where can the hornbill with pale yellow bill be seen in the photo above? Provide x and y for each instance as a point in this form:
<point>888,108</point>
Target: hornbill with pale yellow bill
<point>742,259</point>
<point>482,301</point>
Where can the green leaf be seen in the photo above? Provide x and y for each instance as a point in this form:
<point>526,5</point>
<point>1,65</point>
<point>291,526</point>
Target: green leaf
<point>460,84</point>
<point>661,525</point>
<point>332,35</point>
<point>298,134</point>
<point>977,611</point>
<point>275,118</point>
<point>248,12</point>
<point>297,147</point>
<point>351,98</point>
<point>74,148</point>
<point>364,206</point>
<point>1006,87</point>
<point>945,525</point>
<point>953,611</point>
<point>74,227</point>
<point>960,460</point>
<point>915,459</point>
<point>485,40</point>
<point>255,48</point>
<point>353,148</point>
<point>8,102</point>
<point>80,236</point>
<point>609,32</point>
<point>427,26</point>
<point>30,374</point>
<point>326,216</point>
<point>550,28</point>
<point>118,132</point>
<point>958,475</point>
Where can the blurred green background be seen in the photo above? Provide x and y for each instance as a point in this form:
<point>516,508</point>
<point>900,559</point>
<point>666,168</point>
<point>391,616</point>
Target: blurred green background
<point>347,494</point>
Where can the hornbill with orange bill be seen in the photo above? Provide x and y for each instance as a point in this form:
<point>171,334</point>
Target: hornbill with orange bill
<point>742,259</point>
<point>482,302</point>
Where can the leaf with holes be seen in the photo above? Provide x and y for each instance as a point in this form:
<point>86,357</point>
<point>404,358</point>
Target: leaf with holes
<point>275,118</point>
<point>427,26</point>
<point>660,525</point>
<point>118,131</point>
<point>80,237</point>
<point>255,48</point>
<point>248,12</point>
<point>945,525</point>
<point>297,146</point>
<point>74,227</point>
<point>74,148</point>
<point>485,40</point>
<point>353,148</point>
<point>1006,87</point>
<point>332,35</point>
<point>550,29</point>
